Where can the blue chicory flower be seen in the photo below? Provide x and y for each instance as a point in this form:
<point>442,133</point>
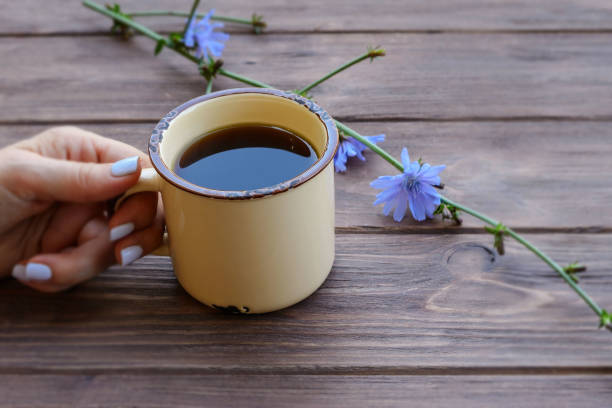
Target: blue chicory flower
<point>351,147</point>
<point>202,35</point>
<point>413,188</point>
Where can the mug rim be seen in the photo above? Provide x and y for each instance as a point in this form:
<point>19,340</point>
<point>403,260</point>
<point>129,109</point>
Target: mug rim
<point>331,145</point>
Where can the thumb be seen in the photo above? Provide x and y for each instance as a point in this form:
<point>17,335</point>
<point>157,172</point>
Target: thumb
<point>71,181</point>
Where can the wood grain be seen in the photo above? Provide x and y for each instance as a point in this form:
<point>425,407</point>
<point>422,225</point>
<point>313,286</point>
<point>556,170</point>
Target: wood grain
<point>305,391</point>
<point>56,16</point>
<point>536,176</point>
<point>515,97</point>
<point>393,303</point>
<point>441,77</point>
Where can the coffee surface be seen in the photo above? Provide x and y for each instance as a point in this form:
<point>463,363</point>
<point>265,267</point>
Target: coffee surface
<point>245,157</point>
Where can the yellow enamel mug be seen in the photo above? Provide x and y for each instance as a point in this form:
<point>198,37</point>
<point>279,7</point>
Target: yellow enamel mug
<point>252,251</point>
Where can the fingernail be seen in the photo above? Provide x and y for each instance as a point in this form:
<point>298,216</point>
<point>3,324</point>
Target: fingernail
<point>37,271</point>
<point>125,166</point>
<point>130,254</point>
<point>121,231</point>
<point>19,272</point>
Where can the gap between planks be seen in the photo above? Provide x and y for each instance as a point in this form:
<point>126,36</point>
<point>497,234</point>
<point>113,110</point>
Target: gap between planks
<point>452,229</point>
<point>350,119</point>
<point>579,31</point>
<point>326,371</point>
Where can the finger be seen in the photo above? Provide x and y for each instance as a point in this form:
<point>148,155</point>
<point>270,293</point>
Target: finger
<point>76,144</point>
<point>92,230</point>
<point>140,242</point>
<point>136,213</point>
<point>54,272</point>
<point>60,180</point>
<point>66,224</point>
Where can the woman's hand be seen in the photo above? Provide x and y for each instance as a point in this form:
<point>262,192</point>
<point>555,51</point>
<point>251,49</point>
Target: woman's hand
<point>54,229</point>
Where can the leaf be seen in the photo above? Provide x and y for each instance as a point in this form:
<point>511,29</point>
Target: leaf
<point>498,237</point>
<point>160,46</point>
<point>374,52</point>
<point>605,319</point>
<point>258,23</point>
<point>176,37</point>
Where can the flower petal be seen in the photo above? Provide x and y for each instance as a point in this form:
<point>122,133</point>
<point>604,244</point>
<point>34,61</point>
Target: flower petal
<point>413,169</point>
<point>383,182</point>
<point>388,207</point>
<point>376,138</point>
<point>432,207</point>
<point>387,195</point>
<point>351,150</point>
<point>402,205</point>
<point>212,26</point>
<point>430,175</point>
<point>209,14</point>
<point>188,38</point>
<point>405,158</point>
<point>417,206</point>
<point>340,159</point>
<point>358,148</point>
<point>215,49</point>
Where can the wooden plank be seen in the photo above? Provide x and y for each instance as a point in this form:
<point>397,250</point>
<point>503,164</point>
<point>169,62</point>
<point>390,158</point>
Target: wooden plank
<point>392,302</point>
<point>320,15</point>
<point>304,391</point>
<point>533,175</point>
<point>445,76</point>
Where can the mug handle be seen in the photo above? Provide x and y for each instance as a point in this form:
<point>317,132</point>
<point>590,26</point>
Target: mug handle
<point>148,181</point>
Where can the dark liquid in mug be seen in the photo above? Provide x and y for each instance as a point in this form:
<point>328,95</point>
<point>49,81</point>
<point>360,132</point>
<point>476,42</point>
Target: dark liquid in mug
<point>245,157</point>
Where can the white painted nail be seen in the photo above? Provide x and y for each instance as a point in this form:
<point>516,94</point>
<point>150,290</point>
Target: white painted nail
<point>130,254</point>
<point>19,272</point>
<point>121,231</point>
<point>37,271</point>
<point>125,166</point>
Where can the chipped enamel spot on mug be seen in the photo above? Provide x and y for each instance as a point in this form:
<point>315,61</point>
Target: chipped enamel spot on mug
<point>232,309</point>
<point>328,155</point>
<point>157,134</point>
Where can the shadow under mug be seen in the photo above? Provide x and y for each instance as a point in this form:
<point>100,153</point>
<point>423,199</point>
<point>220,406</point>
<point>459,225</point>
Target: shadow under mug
<point>251,251</point>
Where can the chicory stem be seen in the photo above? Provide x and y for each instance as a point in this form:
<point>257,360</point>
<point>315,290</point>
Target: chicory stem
<point>372,53</point>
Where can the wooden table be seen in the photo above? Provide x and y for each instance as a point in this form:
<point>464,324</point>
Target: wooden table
<point>514,97</point>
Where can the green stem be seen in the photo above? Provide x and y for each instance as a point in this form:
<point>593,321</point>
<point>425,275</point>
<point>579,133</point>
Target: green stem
<point>162,13</point>
<point>243,79</point>
<point>185,54</point>
<point>237,21</point>
<point>209,86</point>
<point>342,127</point>
<point>227,19</point>
<point>369,54</point>
<point>124,20</point>
<point>194,6</point>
